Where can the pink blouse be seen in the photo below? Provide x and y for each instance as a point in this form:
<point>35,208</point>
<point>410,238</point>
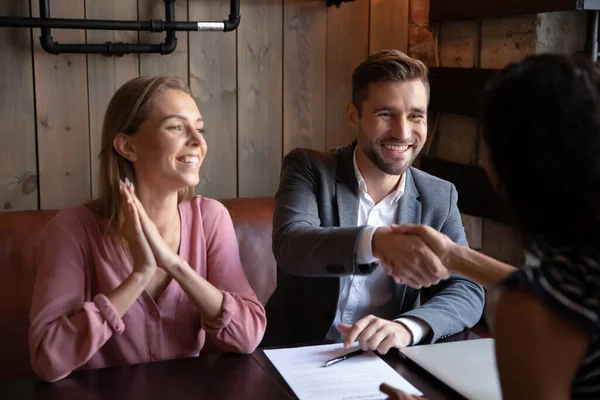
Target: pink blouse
<point>74,326</point>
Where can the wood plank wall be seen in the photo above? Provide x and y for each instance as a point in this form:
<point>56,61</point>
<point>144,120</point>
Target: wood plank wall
<point>281,81</point>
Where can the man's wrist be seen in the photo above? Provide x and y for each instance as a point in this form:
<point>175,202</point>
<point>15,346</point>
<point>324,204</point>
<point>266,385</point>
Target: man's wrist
<point>411,340</point>
<point>417,328</point>
<point>364,252</point>
<point>376,240</point>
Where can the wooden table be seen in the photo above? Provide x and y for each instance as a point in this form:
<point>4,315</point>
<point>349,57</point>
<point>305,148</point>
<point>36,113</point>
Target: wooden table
<point>226,377</point>
<point>219,377</point>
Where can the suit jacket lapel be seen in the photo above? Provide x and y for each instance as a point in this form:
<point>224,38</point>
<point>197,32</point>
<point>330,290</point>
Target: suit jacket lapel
<point>409,205</point>
<point>347,187</point>
<point>409,212</point>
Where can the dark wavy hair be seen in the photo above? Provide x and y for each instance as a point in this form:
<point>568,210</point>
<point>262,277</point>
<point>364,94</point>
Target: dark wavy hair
<point>541,121</point>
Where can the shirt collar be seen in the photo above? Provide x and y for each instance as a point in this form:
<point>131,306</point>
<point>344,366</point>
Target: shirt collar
<point>393,197</point>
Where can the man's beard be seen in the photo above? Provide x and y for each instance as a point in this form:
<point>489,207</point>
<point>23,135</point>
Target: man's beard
<point>373,152</point>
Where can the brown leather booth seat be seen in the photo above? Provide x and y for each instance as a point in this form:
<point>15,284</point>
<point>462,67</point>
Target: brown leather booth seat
<point>19,237</point>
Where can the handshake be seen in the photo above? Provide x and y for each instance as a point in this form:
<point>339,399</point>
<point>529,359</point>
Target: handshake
<point>416,255</point>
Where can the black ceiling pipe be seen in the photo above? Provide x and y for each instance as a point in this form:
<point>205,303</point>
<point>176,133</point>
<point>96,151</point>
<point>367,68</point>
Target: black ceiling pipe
<point>234,16</point>
<point>98,24</point>
<point>170,43</point>
<point>108,48</point>
<point>152,26</point>
<point>48,44</point>
<point>120,48</point>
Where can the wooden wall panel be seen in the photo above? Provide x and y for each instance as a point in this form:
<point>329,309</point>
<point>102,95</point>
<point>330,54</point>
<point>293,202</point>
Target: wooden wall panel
<point>62,115</point>
<point>107,74</point>
<point>281,81</point>
<point>506,40</point>
<point>347,47</point>
<point>175,63</point>
<point>260,98</point>
<point>304,74</point>
<point>213,62</point>
<point>18,164</point>
<point>388,28</point>
<point>457,134</point>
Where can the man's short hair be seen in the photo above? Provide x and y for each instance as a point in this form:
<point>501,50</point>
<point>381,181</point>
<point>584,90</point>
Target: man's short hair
<point>386,66</point>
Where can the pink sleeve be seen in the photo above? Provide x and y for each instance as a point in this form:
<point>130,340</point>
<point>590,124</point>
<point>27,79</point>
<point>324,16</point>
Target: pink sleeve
<point>67,327</point>
<point>242,324</point>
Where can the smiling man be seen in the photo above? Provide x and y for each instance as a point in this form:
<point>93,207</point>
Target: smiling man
<point>331,230</point>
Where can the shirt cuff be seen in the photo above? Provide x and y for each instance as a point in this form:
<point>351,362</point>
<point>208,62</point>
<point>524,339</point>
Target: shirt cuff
<point>110,314</point>
<point>364,252</point>
<point>225,317</point>
<point>417,328</point>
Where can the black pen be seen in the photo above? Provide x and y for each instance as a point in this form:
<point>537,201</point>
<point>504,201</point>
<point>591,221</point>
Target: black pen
<point>342,358</point>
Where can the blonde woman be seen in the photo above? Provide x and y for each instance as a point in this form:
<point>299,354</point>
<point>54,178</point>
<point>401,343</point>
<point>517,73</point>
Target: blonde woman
<point>145,271</point>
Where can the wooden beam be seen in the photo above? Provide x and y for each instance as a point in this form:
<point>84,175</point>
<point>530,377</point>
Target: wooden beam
<point>347,47</point>
<point>213,80</point>
<point>304,74</point>
<point>61,89</point>
<point>445,10</point>
<point>260,97</point>
<point>106,74</point>
<point>18,162</point>
<point>388,27</point>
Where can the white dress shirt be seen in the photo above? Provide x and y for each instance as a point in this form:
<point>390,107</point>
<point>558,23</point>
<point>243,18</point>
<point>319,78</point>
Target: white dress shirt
<point>362,295</point>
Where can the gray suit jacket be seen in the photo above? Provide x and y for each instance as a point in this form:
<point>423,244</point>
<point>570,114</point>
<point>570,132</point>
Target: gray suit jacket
<point>315,237</point>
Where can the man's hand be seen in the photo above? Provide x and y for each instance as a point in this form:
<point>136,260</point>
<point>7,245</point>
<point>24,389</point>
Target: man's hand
<point>408,258</point>
<point>396,394</point>
<point>439,243</point>
<point>375,333</point>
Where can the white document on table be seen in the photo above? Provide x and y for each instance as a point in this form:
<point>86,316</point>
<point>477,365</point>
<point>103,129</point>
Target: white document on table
<point>357,378</point>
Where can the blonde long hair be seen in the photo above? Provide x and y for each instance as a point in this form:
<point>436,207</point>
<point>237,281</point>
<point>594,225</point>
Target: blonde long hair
<point>128,108</point>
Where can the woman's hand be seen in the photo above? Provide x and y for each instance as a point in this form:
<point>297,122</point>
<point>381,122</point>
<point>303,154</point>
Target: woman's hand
<point>205,297</point>
<point>166,258</point>
<point>437,241</point>
<point>143,260</point>
<point>396,394</point>
<point>408,258</point>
